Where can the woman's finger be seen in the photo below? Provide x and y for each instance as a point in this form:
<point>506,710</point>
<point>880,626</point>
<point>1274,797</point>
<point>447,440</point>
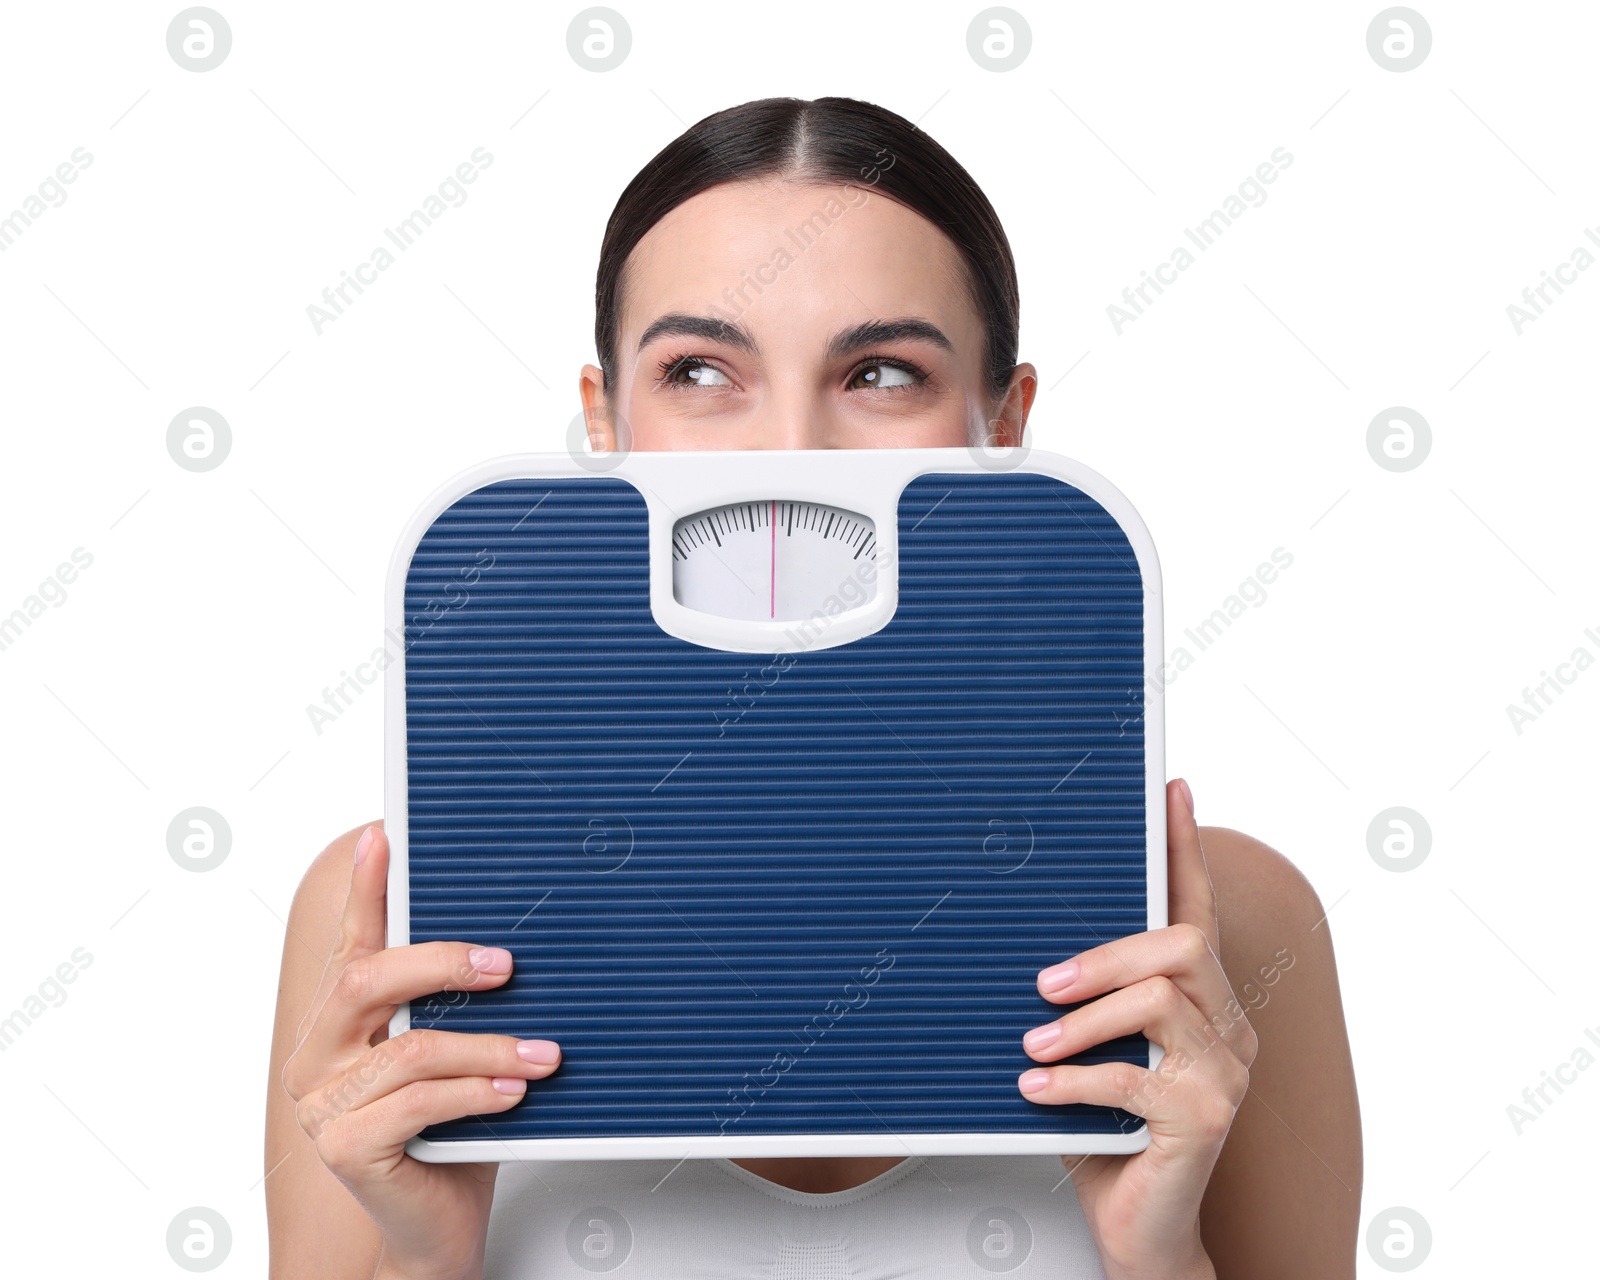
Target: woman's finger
<point>421,1054</point>
<point>1180,952</point>
<point>1161,1097</point>
<point>1157,1008</point>
<point>363,927</point>
<point>1190,898</point>
<point>356,1142</point>
<point>367,990</point>
<point>370,988</point>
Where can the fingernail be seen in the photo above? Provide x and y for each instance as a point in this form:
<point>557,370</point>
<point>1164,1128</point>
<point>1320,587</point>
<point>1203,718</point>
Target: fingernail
<point>1033,1081</point>
<point>490,959</point>
<point>544,1052</point>
<point>362,845</point>
<point>1188,796</point>
<point>1039,1037</point>
<point>508,1084</point>
<point>1058,976</point>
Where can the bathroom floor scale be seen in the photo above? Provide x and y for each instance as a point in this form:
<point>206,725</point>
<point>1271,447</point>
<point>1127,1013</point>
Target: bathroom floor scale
<point>781,774</point>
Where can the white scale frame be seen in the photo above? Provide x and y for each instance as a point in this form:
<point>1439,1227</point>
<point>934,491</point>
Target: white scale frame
<point>680,483</point>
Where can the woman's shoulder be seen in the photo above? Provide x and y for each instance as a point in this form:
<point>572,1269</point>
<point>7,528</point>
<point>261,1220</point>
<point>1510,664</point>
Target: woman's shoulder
<point>1254,881</point>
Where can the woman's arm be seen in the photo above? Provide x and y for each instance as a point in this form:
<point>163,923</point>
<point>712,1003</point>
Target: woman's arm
<point>1253,1166</point>
<point>1285,1196</point>
<point>359,1096</point>
<point>315,1226</point>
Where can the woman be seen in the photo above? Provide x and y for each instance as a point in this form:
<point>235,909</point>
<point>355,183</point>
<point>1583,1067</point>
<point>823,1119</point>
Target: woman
<point>793,275</point>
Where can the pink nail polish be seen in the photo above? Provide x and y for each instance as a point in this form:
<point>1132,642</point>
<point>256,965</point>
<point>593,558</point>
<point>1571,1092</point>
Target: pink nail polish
<point>490,959</point>
<point>362,845</point>
<point>544,1052</point>
<point>508,1084</point>
<point>1041,1037</point>
<point>1058,977</point>
<point>1033,1081</point>
<point>1188,796</point>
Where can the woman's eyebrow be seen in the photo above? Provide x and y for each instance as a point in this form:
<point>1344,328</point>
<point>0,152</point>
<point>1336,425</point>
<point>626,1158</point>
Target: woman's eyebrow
<point>680,324</point>
<point>877,332</point>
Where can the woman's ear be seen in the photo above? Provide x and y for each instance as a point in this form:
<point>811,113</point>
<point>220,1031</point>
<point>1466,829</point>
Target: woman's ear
<point>598,419</point>
<point>1006,427</point>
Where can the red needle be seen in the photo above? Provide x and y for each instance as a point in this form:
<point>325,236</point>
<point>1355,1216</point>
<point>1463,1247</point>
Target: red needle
<point>774,558</point>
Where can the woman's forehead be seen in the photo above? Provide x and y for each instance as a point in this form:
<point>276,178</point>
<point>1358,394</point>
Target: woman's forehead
<point>824,251</point>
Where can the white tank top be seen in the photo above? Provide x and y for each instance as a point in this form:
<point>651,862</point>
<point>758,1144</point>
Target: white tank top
<point>928,1217</point>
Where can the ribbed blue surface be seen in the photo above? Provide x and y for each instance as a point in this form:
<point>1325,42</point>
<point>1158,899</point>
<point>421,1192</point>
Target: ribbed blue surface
<point>698,857</point>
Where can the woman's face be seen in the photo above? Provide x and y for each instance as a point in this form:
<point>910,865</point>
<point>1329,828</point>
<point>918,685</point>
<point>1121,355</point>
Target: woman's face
<point>774,315</point>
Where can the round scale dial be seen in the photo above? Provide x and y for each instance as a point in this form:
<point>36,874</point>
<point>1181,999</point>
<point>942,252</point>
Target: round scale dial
<point>774,560</point>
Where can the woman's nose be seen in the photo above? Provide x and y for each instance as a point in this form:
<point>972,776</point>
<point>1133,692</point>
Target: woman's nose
<point>793,423</point>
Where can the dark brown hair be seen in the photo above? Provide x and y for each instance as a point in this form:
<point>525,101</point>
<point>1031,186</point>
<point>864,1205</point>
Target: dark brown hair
<point>824,140</point>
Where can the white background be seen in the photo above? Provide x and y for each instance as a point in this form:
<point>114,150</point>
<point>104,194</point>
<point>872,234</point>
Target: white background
<point>1233,413</point>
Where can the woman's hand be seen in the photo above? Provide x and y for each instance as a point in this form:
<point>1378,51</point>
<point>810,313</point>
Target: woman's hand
<point>1167,984</point>
<point>360,1101</point>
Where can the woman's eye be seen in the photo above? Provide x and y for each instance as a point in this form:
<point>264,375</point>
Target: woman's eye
<point>882,375</point>
<point>695,373</point>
